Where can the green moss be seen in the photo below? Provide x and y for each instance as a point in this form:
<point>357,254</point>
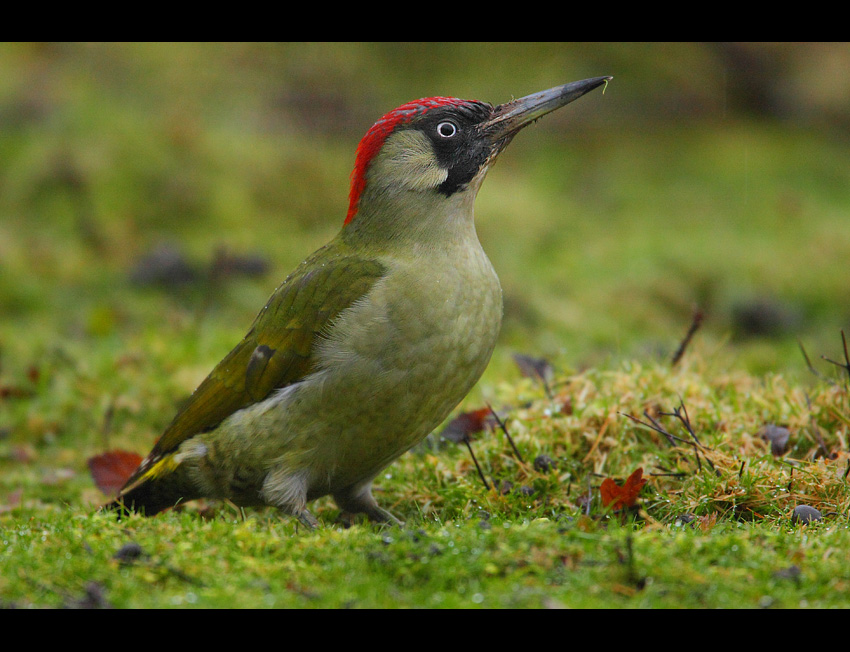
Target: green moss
<point>607,226</point>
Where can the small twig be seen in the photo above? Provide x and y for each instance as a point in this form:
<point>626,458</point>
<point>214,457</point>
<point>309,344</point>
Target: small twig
<point>696,322</point>
<point>846,364</point>
<point>633,576</point>
<point>179,574</point>
<point>507,434</point>
<point>657,427</point>
<point>686,422</point>
<point>810,366</point>
<point>480,472</point>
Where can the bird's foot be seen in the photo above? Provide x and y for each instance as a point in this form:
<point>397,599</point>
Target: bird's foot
<point>306,519</point>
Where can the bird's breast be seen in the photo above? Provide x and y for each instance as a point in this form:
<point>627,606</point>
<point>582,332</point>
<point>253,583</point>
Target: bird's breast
<point>427,319</point>
<point>389,369</point>
<point>403,356</point>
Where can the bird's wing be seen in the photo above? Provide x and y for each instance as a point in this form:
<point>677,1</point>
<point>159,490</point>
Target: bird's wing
<point>277,351</point>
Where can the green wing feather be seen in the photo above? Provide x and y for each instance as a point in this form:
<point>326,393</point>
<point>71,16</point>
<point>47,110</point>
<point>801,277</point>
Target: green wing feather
<point>278,350</point>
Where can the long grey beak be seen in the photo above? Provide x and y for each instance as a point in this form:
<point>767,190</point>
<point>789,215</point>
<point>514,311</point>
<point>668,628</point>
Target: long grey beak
<point>509,118</point>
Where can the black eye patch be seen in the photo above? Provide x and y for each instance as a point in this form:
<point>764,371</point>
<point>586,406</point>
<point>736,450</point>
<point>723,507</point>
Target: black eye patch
<point>458,145</point>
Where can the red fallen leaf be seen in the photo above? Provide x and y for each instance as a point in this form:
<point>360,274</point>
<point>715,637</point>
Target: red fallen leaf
<point>618,497</point>
<point>468,423</point>
<point>112,469</point>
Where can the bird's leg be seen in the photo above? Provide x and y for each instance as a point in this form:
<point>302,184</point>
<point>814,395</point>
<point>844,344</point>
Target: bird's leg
<point>288,492</point>
<point>309,521</point>
<point>358,499</point>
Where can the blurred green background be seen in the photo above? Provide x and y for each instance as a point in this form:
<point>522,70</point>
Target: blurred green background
<point>153,195</point>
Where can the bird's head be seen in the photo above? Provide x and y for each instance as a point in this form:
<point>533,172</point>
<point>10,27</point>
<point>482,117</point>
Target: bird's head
<point>439,147</point>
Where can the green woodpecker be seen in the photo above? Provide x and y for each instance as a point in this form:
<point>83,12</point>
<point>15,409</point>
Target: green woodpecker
<point>370,343</point>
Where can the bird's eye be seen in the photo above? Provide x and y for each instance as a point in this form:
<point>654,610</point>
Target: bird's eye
<point>447,129</point>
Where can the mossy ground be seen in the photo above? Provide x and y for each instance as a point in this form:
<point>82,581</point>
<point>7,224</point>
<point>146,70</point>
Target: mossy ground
<point>606,233</point>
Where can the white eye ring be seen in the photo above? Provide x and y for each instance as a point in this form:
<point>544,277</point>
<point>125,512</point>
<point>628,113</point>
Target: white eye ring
<point>447,129</point>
